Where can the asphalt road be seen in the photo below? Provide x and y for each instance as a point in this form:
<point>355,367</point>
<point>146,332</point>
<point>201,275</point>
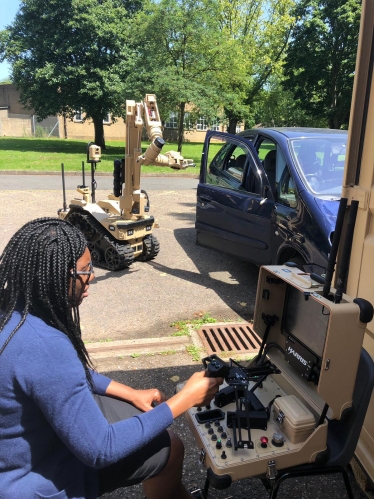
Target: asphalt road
<point>142,301</point>
<point>104,182</point>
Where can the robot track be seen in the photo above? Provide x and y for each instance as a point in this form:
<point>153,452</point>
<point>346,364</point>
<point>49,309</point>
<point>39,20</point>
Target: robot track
<point>106,251</point>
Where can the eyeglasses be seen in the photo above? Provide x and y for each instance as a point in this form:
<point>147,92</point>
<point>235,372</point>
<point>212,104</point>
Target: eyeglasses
<point>85,272</point>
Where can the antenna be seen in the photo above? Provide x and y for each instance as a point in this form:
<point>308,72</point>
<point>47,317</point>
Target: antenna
<point>346,252</point>
<point>334,247</point>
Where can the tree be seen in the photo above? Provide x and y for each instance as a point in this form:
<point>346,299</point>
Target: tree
<point>70,55</point>
<point>259,31</point>
<point>181,52</point>
<point>275,106</point>
<point>321,58</point>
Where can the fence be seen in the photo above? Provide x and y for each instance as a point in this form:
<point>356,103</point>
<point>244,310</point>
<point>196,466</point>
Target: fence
<point>24,125</point>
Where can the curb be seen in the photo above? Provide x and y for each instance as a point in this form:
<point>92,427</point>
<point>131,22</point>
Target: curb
<point>122,348</point>
<point>98,174</point>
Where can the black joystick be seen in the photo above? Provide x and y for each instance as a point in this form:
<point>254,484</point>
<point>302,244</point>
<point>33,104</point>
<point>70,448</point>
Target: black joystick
<point>223,455</point>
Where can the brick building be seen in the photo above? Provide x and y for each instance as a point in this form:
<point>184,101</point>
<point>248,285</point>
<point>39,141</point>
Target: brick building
<point>16,121</point>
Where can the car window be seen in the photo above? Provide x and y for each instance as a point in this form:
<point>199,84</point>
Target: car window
<point>287,193</point>
<point>321,163</point>
<point>273,161</point>
<point>228,166</point>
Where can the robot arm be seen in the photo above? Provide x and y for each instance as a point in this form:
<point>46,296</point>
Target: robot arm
<point>132,201</point>
<point>152,155</point>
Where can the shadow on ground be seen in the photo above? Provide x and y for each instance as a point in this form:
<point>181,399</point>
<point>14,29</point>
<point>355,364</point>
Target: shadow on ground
<point>233,280</point>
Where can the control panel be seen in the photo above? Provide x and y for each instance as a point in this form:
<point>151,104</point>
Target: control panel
<point>271,414</point>
<point>216,440</point>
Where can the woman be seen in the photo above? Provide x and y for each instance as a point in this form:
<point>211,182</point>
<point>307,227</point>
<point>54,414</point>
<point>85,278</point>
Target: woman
<point>54,439</point>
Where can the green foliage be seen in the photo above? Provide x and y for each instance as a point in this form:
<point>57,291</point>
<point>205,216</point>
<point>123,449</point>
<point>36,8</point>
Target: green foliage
<point>194,351</point>
<point>321,58</point>
<point>68,55</point>
<point>257,34</point>
<point>181,52</point>
<point>276,106</point>
<point>135,355</point>
<point>183,327</point>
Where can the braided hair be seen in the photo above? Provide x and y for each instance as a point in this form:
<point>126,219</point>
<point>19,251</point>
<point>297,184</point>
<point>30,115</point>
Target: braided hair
<point>37,268</point>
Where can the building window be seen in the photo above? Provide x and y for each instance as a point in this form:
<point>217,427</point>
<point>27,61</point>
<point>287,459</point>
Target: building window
<point>215,125</point>
<point>172,121</point>
<point>78,115</point>
<point>106,119</point>
<point>238,129</point>
<point>202,124</point>
<point>187,121</point>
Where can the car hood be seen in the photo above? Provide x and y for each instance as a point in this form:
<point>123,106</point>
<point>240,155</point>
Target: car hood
<point>329,209</point>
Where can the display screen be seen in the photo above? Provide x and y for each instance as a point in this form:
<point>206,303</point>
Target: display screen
<point>306,320</point>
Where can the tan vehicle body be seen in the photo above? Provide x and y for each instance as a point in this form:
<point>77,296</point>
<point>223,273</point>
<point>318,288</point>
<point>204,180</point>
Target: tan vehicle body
<point>359,185</point>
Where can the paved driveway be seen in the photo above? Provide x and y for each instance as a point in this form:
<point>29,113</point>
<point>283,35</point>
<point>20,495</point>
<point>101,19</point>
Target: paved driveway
<point>145,299</point>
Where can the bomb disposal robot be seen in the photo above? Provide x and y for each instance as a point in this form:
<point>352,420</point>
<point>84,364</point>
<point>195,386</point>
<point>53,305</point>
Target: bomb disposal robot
<point>120,229</point>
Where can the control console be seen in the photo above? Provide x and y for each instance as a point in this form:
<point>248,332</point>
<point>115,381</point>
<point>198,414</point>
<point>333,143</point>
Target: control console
<point>273,414</point>
<point>215,437</point>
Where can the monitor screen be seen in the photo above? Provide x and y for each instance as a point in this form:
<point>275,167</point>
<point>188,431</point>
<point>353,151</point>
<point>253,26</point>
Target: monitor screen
<point>306,320</point>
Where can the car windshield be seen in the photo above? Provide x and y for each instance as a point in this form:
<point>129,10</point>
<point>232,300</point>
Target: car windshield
<point>321,164</point>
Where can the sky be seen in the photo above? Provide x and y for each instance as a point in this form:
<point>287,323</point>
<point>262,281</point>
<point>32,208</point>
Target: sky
<point>8,10</point>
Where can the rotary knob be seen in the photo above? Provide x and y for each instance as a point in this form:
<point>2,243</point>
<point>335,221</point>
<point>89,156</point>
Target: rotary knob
<point>218,444</point>
<point>229,443</point>
<point>214,437</point>
<point>210,431</point>
<point>216,423</point>
<point>224,434</point>
<point>207,425</point>
<point>277,440</point>
<point>220,429</point>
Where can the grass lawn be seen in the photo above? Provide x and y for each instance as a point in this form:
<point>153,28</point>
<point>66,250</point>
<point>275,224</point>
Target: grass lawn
<point>48,154</point>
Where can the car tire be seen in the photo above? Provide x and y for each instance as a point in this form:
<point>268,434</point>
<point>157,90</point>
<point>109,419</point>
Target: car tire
<point>299,261</point>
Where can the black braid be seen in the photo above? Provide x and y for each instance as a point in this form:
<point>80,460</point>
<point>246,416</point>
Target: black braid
<point>35,273</point>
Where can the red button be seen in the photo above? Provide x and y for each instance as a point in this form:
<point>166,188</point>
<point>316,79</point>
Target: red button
<point>264,442</point>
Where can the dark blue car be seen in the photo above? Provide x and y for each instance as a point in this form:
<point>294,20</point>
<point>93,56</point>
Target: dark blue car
<point>271,195</point>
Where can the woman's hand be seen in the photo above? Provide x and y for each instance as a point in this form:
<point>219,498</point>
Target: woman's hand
<point>198,390</point>
<point>143,399</point>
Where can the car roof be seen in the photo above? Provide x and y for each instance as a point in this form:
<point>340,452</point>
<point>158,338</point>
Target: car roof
<point>295,132</point>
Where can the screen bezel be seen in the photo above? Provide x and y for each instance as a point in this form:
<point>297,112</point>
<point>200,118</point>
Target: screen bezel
<point>302,338</point>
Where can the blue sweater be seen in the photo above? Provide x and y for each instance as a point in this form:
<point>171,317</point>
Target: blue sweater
<point>53,436</point>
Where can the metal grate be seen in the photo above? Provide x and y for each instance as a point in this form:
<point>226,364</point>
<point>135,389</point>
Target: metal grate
<point>232,338</point>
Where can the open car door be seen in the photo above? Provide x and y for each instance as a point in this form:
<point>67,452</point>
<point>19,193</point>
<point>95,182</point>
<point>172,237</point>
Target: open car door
<point>234,200</point>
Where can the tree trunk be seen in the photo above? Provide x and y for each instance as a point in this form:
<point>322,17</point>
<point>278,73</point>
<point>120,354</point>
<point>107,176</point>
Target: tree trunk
<point>182,108</point>
<point>99,131</point>
<point>233,121</point>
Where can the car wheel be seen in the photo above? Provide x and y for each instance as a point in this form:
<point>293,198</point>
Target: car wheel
<point>298,261</point>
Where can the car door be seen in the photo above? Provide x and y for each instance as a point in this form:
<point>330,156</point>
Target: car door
<point>234,202</point>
